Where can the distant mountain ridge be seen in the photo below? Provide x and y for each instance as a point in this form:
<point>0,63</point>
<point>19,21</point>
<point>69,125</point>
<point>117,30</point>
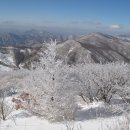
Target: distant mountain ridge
<point>28,37</point>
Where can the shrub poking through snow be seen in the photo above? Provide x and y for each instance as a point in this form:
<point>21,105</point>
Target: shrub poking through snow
<point>5,109</point>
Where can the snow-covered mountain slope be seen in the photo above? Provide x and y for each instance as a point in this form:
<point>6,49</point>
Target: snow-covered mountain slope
<point>95,47</point>
<point>125,37</point>
<point>13,57</point>
<point>6,59</point>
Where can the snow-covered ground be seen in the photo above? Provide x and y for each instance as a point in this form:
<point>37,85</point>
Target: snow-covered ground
<point>4,68</point>
<point>23,120</point>
<point>7,59</point>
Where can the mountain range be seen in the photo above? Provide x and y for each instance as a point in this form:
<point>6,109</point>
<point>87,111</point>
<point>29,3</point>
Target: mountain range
<point>90,48</point>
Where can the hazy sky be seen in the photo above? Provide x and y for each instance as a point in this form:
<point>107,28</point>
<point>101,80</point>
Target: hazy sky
<point>76,15</point>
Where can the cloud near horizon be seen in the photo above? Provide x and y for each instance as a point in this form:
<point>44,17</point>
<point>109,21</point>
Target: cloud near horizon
<point>82,26</point>
<point>115,26</point>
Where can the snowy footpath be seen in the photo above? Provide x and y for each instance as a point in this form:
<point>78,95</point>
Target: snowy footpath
<point>23,120</point>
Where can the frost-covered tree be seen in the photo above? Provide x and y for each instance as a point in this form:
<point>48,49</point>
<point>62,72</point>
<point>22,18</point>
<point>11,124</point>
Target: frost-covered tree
<point>113,80</point>
<point>102,82</point>
<point>46,85</point>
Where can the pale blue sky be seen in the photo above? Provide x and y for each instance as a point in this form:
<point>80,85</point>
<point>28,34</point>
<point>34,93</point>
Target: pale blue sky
<point>92,15</point>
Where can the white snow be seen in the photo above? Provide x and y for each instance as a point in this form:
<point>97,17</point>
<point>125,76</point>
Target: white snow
<point>4,68</point>
<point>23,120</point>
<point>22,51</point>
<point>91,105</point>
<point>6,58</point>
<point>71,49</point>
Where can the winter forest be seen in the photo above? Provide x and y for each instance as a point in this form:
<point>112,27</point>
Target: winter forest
<point>60,93</point>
